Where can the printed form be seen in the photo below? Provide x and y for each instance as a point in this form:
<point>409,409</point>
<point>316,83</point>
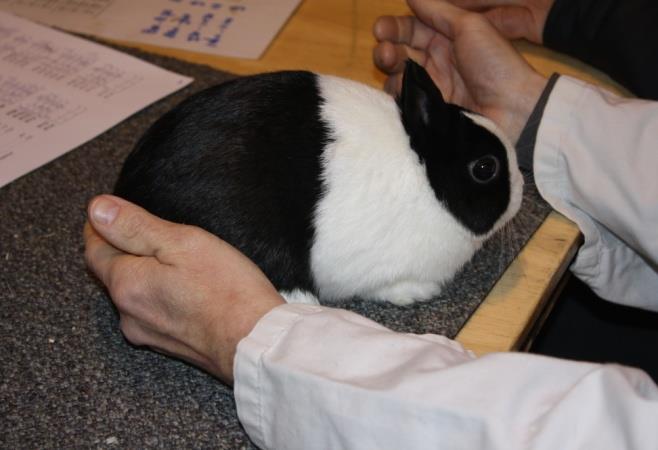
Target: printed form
<point>58,91</point>
<point>235,28</point>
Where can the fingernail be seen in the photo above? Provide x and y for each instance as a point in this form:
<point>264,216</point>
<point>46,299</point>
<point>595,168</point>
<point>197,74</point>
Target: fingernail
<point>104,211</point>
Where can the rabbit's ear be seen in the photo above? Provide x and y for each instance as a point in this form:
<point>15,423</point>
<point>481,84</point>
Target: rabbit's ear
<point>421,104</point>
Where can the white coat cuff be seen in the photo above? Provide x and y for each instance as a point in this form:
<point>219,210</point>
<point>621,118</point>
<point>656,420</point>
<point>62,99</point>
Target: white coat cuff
<point>249,358</point>
<point>568,159</point>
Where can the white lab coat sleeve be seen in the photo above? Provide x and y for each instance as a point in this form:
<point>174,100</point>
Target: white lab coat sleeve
<point>310,377</point>
<point>596,162</point>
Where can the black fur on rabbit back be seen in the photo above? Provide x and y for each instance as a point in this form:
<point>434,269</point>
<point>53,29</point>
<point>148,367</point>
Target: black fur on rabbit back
<point>227,160</point>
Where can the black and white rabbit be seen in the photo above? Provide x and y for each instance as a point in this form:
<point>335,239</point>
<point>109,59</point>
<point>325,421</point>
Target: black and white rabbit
<point>333,188</point>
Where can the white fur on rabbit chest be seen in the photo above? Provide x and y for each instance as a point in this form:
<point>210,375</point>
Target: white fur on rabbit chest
<point>380,232</point>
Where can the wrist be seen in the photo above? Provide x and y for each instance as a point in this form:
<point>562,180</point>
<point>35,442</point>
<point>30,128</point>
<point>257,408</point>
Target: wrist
<point>522,104</point>
<point>244,317</point>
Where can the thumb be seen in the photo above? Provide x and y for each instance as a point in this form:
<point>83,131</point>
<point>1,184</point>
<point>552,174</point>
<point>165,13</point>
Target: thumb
<point>128,227</point>
<point>514,22</point>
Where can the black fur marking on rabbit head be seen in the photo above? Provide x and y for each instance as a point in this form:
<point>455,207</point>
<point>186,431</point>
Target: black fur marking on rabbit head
<point>466,164</point>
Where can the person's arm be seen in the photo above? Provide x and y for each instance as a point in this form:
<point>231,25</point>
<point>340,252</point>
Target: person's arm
<point>311,377</point>
<point>595,161</point>
<point>593,156</point>
<point>620,37</point>
<point>314,377</point>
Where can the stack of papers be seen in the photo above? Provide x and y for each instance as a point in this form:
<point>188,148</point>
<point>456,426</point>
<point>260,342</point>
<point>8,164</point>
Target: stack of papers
<point>236,28</point>
<point>58,91</point>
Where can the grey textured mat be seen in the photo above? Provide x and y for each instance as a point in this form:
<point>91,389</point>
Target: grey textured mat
<point>69,380</point>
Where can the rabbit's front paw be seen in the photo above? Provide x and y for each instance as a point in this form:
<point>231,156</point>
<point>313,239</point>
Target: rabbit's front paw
<point>299,296</point>
<point>407,292</point>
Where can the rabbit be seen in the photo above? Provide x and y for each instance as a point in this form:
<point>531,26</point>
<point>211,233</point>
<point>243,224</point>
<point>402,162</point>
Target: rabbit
<point>333,188</point>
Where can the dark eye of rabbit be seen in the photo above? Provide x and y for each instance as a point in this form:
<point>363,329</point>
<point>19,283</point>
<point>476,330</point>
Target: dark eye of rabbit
<point>484,169</point>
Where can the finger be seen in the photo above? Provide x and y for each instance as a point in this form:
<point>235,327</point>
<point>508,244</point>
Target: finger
<point>136,286</point>
<point>126,277</point>
<point>391,58</point>
<point>513,22</point>
<point>140,331</point>
<point>479,5</point>
<point>441,65</point>
<point>393,84</point>
<point>388,57</point>
<point>405,30</point>
<point>439,15</point>
<point>128,227</point>
<point>98,252</point>
<point>396,57</point>
<point>123,275</point>
<point>94,242</point>
<point>140,334</point>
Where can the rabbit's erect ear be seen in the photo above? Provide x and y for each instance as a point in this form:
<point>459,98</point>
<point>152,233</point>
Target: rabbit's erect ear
<point>421,104</point>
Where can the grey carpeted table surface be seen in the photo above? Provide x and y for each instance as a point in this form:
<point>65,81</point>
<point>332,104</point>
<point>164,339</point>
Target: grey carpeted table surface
<point>68,379</point>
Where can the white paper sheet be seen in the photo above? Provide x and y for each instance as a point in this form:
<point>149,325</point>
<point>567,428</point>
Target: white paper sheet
<point>236,28</point>
<point>59,91</point>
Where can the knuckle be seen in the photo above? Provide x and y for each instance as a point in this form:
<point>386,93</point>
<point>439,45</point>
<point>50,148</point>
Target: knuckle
<point>135,225</point>
<point>91,253</point>
<point>191,238</point>
<point>89,256</point>
<point>469,19</point>
<point>125,287</point>
<point>131,331</point>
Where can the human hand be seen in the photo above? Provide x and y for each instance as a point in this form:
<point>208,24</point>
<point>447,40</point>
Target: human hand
<point>179,290</point>
<point>471,63</point>
<point>514,19</point>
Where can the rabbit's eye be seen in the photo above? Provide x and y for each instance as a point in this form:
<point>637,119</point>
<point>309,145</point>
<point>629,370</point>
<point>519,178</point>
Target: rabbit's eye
<point>485,169</point>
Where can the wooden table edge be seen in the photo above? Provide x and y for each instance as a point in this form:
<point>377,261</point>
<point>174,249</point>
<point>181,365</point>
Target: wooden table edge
<point>516,303</point>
